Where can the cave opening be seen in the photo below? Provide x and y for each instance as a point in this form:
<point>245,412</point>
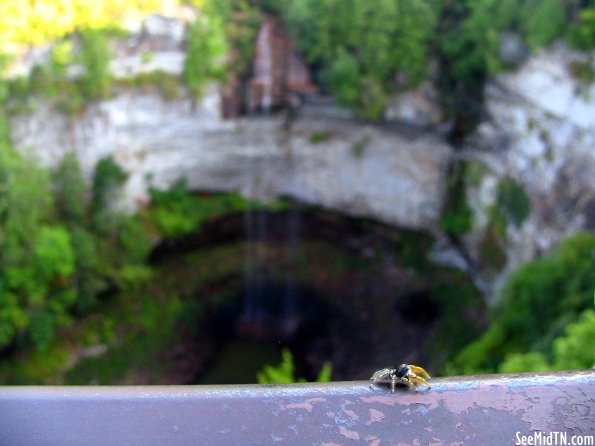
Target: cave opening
<point>328,287</point>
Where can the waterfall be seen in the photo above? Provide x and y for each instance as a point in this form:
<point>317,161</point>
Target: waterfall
<point>267,67</point>
<point>249,307</point>
<point>260,271</point>
<point>255,257</point>
<point>292,248</point>
<point>261,88</point>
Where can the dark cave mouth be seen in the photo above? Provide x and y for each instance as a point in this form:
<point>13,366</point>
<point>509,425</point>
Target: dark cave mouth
<point>259,322</point>
<point>357,293</point>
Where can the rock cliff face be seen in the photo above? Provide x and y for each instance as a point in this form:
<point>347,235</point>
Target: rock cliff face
<point>539,137</point>
<point>321,158</point>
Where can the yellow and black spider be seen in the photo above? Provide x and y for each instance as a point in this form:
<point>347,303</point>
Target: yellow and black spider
<point>405,374</point>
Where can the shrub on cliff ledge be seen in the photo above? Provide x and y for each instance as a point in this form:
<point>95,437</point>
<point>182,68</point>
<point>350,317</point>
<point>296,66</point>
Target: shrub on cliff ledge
<point>95,56</point>
<point>582,34</point>
<point>365,48</point>
<point>204,56</point>
<point>540,301</point>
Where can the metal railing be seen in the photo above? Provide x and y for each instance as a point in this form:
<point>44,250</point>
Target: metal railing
<point>477,410</point>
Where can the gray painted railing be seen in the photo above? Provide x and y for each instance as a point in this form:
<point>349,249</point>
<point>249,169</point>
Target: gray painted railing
<point>477,410</point>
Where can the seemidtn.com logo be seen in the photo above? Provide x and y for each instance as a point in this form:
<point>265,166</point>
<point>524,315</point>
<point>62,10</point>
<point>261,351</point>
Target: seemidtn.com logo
<point>554,439</point>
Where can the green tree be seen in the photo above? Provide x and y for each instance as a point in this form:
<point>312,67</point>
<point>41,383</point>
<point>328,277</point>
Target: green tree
<point>88,279</point>
<point>541,22</point>
<point>13,316</point>
<point>582,34</point>
<point>36,256</point>
<point>70,190</point>
<point>344,77</point>
<point>365,49</point>
<point>95,56</point>
<point>524,362</point>
<point>207,46</point>
<point>576,348</point>
<point>239,21</point>
<point>53,254</point>
<point>468,48</point>
<point>4,96</point>
<point>24,206</point>
<point>108,179</point>
<point>539,302</point>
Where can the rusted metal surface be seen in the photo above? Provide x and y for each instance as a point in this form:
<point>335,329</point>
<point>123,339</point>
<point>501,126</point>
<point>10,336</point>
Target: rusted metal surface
<point>486,410</point>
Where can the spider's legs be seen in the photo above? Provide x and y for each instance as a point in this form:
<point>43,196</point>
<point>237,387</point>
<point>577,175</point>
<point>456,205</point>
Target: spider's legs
<point>393,383</point>
<point>415,380</point>
<point>419,371</point>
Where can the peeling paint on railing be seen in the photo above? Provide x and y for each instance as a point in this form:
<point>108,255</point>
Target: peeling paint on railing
<point>486,410</point>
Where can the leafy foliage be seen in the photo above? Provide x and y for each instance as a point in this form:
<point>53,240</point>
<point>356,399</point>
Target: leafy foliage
<point>457,217</point>
<point>176,211</point>
<point>472,42</point>
<point>539,300</point>
<point>36,258</point>
<point>107,181</point>
<point>40,21</point>
<point>468,43</point>
<point>364,49</point>
<point>240,20</point>
<point>576,349</point>
<point>582,34</point>
<point>90,48</point>
<point>207,46</point>
<point>95,56</point>
<point>541,21</point>
<point>361,50</point>
<point>56,255</point>
<point>70,190</point>
<point>513,201</point>
<point>491,247</point>
<point>524,362</point>
<point>284,373</point>
<point>344,75</point>
<point>572,351</point>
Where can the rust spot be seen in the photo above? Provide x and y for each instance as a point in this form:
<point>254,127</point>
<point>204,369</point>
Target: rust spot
<point>351,414</point>
<point>307,405</point>
<point>373,440</point>
<point>376,416</point>
<point>352,435</point>
<point>388,400</point>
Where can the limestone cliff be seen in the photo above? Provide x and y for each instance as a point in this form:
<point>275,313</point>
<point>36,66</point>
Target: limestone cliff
<point>537,144</point>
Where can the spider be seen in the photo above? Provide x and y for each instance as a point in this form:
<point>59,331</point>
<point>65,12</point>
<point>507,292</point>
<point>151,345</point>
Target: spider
<point>405,374</point>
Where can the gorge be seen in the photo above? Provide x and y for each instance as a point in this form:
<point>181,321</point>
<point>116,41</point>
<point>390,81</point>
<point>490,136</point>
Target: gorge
<point>366,230</point>
<point>538,134</point>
